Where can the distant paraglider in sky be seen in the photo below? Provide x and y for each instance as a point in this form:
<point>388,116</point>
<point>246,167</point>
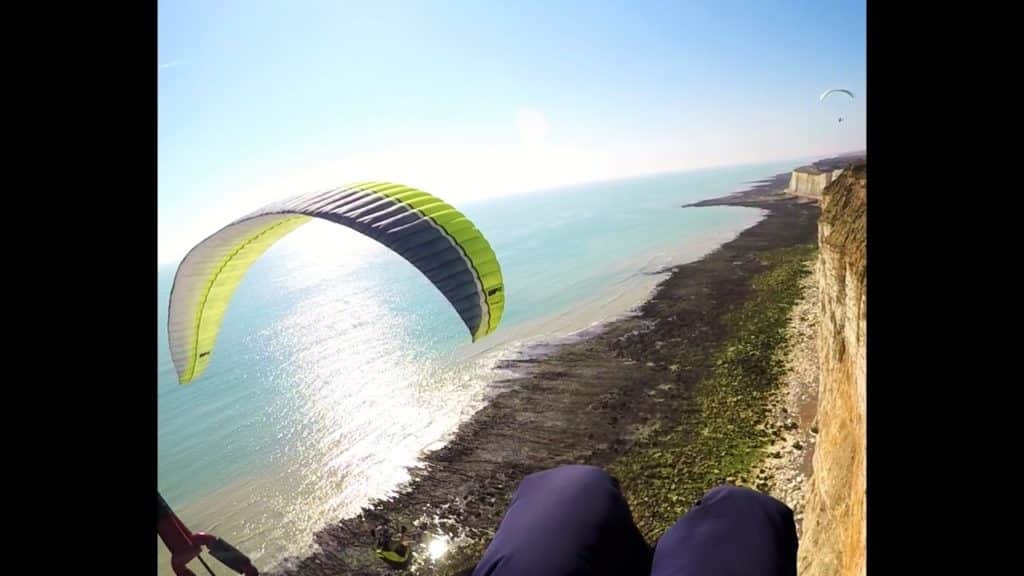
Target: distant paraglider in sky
<point>429,233</point>
<point>832,91</point>
<point>828,93</point>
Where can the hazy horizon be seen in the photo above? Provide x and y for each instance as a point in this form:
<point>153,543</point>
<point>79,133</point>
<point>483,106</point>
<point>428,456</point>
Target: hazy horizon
<point>168,260</point>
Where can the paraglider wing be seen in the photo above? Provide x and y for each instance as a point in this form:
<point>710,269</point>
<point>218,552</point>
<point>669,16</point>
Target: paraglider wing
<point>828,93</point>
<point>432,235</point>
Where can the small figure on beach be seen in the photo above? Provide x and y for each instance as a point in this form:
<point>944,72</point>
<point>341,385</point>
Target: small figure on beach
<point>393,552</point>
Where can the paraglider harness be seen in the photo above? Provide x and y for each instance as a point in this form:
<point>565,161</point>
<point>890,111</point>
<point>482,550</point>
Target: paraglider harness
<point>186,545</point>
<point>394,554</point>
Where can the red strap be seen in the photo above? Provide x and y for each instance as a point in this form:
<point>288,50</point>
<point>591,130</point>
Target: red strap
<point>186,545</point>
<point>176,537</point>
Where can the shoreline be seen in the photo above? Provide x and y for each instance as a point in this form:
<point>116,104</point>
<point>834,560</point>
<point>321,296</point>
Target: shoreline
<point>588,401</point>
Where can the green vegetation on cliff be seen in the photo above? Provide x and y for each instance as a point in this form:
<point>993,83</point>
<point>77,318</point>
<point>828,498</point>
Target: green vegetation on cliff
<point>727,430</point>
<point>723,428</point>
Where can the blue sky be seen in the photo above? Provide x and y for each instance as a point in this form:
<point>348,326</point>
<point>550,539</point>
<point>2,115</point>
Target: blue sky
<point>260,100</point>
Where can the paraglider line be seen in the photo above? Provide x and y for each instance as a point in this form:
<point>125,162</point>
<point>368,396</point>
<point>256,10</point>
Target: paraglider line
<point>203,562</point>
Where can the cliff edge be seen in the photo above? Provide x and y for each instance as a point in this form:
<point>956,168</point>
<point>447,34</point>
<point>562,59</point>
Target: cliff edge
<point>834,524</point>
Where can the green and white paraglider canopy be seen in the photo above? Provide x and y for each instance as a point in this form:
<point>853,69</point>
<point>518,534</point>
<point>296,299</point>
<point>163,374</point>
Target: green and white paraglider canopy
<point>431,234</point>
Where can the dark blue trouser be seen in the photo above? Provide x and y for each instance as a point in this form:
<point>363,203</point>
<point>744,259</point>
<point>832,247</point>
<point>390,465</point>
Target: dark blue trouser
<point>573,521</point>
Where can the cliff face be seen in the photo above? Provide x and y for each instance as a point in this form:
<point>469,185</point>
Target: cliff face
<point>810,181</point>
<point>834,529</point>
